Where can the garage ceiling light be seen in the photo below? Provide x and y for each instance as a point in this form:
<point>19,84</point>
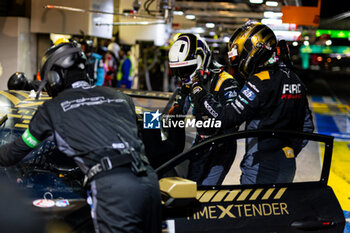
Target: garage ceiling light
<point>287,35</point>
<point>271,21</point>
<point>271,3</point>
<point>328,42</point>
<point>226,39</point>
<point>334,33</point>
<point>271,14</point>
<point>256,1</point>
<point>190,17</point>
<point>210,25</point>
<point>178,13</point>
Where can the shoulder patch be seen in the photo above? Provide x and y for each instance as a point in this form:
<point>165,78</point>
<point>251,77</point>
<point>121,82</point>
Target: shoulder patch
<point>263,75</point>
<point>222,77</point>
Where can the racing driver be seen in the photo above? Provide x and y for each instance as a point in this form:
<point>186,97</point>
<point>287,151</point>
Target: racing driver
<point>188,56</point>
<point>97,127</point>
<point>273,97</point>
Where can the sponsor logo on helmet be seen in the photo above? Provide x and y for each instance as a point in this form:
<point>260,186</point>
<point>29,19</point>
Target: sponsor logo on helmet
<point>183,63</point>
<point>233,52</point>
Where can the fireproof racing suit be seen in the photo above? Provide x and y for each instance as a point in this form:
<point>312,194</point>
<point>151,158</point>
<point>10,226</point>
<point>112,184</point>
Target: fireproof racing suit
<point>211,166</point>
<point>271,99</point>
<point>96,126</point>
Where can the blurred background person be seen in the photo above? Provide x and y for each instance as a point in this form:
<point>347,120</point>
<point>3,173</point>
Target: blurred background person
<point>124,77</point>
<point>95,68</point>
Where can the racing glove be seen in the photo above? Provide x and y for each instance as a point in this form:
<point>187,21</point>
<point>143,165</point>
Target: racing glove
<point>179,105</point>
<point>197,88</point>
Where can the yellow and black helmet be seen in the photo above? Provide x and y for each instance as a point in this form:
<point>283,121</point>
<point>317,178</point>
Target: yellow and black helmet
<point>250,47</point>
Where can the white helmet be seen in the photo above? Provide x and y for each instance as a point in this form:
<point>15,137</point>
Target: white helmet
<point>188,54</point>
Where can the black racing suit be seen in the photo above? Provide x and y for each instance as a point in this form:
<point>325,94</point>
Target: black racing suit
<point>211,166</point>
<point>271,99</point>
<point>88,124</point>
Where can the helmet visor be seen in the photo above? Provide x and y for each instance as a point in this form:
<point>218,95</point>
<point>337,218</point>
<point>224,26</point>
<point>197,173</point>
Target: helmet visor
<point>183,69</point>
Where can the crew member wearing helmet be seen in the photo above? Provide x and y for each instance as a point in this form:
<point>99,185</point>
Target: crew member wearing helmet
<point>19,81</point>
<point>273,97</point>
<point>95,126</point>
<point>189,56</point>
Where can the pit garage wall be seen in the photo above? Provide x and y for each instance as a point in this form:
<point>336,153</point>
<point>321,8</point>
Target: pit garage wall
<point>130,34</point>
<point>18,49</point>
<point>72,22</point>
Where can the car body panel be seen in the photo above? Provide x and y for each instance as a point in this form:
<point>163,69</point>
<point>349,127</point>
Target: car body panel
<point>294,207</point>
<point>291,207</point>
<point>262,209</point>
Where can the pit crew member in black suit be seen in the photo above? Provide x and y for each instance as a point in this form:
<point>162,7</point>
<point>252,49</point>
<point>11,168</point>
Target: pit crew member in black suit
<point>96,126</point>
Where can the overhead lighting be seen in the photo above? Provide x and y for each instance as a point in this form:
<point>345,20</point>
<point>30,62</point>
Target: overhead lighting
<point>295,43</point>
<point>271,3</point>
<point>271,21</point>
<point>334,33</point>
<point>210,25</point>
<point>212,33</point>
<point>306,38</point>
<point>54,36</point>
<point>328,42</point>
<point>271,14</point>
<point>287,35</point>
<point>178,13</point>
<point>226,39</point>
<point>306,43</point>
<point>198,30</point>
<point>256,1</point>
<point>190,16</point>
